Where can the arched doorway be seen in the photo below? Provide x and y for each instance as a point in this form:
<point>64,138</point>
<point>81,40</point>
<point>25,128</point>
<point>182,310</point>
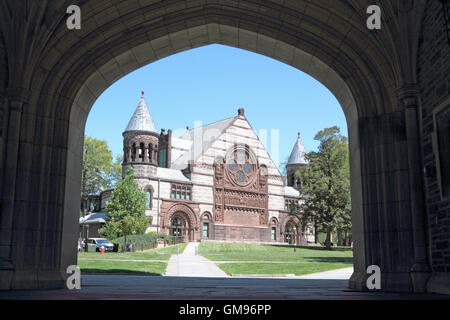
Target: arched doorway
<point>181,221</point>
<point>367,71</point>
<point>179,228</point>
<point>290,232</point>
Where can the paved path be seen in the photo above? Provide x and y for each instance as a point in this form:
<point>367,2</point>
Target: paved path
<point>189,264</point>
<point>95,287</point>
<point>339,274</point>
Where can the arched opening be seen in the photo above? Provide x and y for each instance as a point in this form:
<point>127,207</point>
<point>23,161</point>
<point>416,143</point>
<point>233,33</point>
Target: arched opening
<point>274,232</point>
<point>178,227</point>
<point>363,69</point>
<point>290,232</point>
<point>207,226</point>
<point>330,79</point>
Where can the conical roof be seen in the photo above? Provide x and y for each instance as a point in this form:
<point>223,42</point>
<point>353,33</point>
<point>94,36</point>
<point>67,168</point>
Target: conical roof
<point>141,119</point>
<point>298,153</point>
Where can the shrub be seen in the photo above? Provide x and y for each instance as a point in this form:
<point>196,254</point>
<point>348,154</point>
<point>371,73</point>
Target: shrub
<point>143,241</point>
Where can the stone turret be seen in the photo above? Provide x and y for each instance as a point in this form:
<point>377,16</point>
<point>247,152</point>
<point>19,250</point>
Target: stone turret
<point>296,160</point>
<point>140,143</point>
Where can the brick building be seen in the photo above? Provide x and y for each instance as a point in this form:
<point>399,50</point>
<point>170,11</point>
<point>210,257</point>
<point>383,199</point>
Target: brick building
<point>215,182</point>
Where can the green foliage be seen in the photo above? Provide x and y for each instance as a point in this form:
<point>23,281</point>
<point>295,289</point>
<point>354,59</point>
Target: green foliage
<point>125,211</point>
<point>326,184</point>
<point>99,171</point>
<point>97,160</point>
<point>144,241</point>
<point>116,172</point>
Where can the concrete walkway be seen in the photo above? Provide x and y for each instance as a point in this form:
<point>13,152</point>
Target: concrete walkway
<point>189,264</point>
<point>339,274</point>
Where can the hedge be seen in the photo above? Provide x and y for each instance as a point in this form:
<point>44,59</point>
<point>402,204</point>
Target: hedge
<point>144,241</point>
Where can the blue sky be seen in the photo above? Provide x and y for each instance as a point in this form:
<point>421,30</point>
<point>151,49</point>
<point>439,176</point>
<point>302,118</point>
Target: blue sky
<point>210,83</point>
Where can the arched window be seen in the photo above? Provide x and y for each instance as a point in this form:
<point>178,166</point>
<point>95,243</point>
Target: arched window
<point>273,229</point>
<point>148,198</point>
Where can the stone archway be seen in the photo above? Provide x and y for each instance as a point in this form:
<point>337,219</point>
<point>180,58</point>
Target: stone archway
<point>188,217</point>
<point>53,81</point>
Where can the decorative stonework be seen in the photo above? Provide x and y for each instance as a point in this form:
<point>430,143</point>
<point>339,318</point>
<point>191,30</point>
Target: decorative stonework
<point>240,197</point>
<point>187,210</point>
<point>140,147</point>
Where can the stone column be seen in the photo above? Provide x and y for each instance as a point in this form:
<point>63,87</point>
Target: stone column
<point>150,153</point>
<point>420,270</point>
<point>16,98</point>
<point>145,158</point>
<point>129,153</point>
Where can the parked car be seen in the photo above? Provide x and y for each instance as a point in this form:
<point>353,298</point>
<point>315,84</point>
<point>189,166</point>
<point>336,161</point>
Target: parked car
<point>95,244</point>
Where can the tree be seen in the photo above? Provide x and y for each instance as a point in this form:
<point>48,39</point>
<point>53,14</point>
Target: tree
<point>116,172</point>
<point>125,211</point>
<point>326,185</point>
<point>96,168</point>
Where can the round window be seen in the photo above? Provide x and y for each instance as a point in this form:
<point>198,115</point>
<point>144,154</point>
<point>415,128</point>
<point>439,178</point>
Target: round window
<point>241,164</point>
<point>240,177</point>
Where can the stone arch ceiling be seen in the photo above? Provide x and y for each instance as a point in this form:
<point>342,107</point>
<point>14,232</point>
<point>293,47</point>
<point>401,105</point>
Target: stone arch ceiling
<point>337,37</point>
<point>125,35</point>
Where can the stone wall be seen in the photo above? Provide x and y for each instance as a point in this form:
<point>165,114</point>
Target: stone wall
<point>241,233</point>
<point>434,79</point>
<point>3,77</point>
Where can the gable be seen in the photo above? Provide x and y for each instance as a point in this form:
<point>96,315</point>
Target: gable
<point>239,131</point>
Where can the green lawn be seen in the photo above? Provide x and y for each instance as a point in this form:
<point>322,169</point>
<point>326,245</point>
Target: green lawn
<point>305,260</point>
<point>151,254</point>
<point>255,252</point>
<point>122,267</point>
<point>94,262</point>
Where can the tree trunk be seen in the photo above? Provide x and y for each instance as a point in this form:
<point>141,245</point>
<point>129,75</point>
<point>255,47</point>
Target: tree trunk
<point>124,242</point>
<point>316,234</point>
<point>340,240</point>
<point>328,239</point>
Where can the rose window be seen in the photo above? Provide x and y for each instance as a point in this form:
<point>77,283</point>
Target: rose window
<point>241,165</point>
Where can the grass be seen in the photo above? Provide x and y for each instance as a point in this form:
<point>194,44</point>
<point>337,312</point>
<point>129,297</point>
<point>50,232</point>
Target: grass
<point>247,258</point>
<point>113,262</point>
<point>255,252</point>
<point>283,259</point>
<point>123,267</point>
<point>151,254</point>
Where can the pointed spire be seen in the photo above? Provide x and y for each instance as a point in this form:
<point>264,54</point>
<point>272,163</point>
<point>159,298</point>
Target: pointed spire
<point>298,153</point>
<point>141,119</point>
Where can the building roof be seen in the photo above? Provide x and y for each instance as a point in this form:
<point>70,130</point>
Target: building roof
<point>171,175</point>
<point>291,192</point>
<point>201,138</point>
<point>96,217</point>
<point>298,153</point>
<point>141,119</point>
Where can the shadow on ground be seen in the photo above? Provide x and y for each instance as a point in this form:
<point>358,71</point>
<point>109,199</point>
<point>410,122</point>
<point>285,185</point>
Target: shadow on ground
<point>310,247</point>
<point>118,271</point>
<point>329,259</point>
<point>193,288</point>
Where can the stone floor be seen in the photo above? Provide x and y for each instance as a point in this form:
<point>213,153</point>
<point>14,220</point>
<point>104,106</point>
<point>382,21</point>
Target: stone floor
<point>203,288</point>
